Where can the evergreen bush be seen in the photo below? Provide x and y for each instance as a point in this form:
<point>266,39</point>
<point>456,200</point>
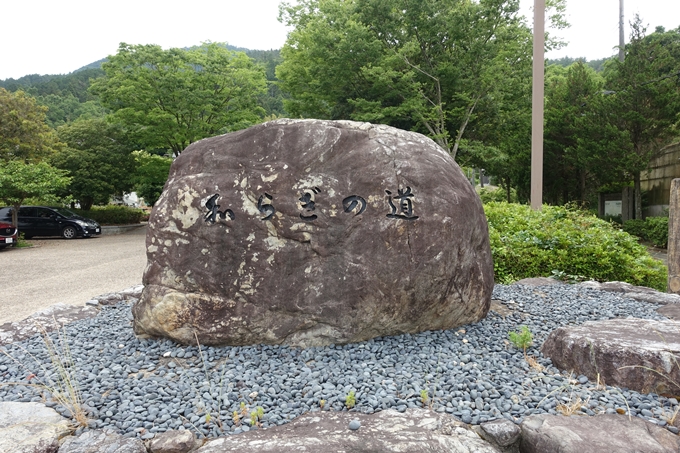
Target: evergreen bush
<point>566,241</point>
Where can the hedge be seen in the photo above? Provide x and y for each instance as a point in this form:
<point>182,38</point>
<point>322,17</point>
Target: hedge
<point>113,214</point>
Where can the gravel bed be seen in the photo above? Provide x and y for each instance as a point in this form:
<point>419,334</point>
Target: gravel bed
<point>143,387</point>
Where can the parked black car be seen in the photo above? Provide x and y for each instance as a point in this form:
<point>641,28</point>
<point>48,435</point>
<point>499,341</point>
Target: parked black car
<point>46,221</point>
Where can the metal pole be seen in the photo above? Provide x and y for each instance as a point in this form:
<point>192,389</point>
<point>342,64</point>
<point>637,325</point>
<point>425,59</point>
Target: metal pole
<point>622,39</point>
<point>537,94</point>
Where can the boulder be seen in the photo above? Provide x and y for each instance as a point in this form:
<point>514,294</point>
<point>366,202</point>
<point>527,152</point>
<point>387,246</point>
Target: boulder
<point>413,431</point>
<point>31,428</point>
<point>102,441</point>
<point>639,354</point>
<point>309,233</point>
<point>601,433</point>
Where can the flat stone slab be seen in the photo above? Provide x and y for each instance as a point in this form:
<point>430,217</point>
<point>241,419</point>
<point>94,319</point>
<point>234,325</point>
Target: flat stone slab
<point>415,430</point>
<point>102,441</point>
<point>46,320</point>
<point>538,281</point>
<point>31,428</point>
<point>639,354</point>
<point>598,434</point>
<point>641,293</point>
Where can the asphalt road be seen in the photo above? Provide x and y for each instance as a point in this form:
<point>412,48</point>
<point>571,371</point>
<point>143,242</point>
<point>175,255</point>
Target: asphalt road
<point>68,271</point>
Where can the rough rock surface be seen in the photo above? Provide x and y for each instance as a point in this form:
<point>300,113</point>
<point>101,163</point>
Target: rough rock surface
<point>31,428</point>
<point>308,232</point>
<point>601,433</point>
<point>639,354</point>
<point>97,441</point>
<point>502,433</point>
<point>641,293</point>
<point>414,431</point>
<point>670,311</point>
<point>173,442</point>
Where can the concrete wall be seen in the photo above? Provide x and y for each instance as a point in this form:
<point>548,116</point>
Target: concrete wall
<point>656,181</point>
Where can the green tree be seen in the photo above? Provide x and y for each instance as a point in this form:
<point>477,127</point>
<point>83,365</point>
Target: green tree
<point>435,66</point>
<point>20,180</point>
<point>582,145</point>
<point>150,176</point>
<point>66,109</point>
<point>646,90</point>
<point>23,132</point>
<point>171,98</point>
<point>98,159</point>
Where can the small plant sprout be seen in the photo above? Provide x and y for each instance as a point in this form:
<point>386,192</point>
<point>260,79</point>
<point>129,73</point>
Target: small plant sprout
<point>244,409</point>
<point>253,418</point>
<point>260,413</point>
<point>521,339</point>
<point>350,400</point>
<point>322,403</point>
<point>424,397</point>
<point>236,418</point>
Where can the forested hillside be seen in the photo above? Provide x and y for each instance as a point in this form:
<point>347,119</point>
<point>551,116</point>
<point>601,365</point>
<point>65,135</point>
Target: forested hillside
<point>67,96</point>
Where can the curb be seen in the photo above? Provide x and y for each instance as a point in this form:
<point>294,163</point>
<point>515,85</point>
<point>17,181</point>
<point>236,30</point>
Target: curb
<point>120,229</point>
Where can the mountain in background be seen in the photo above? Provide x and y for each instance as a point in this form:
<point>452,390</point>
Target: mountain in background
<point>67,95</point>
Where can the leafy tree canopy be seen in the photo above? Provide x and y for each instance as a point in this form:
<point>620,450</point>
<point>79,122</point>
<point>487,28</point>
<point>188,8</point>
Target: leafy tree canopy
<point>98,159</point>
<point>435,66</point>
<point>23,132</point>
<point>171,98</point>
<point>20,180</point>
<point>150,176</point>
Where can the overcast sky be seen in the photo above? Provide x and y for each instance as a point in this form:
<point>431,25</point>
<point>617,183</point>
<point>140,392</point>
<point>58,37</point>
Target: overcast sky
<point>57,37</point>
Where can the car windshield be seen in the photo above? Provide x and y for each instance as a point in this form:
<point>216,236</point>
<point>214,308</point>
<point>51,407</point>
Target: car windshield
<point>64,212</point>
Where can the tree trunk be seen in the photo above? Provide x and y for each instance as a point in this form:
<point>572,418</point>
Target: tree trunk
<point>638,197</point>
<point>582,195</point>
<point>86,204</point>
<point>15,215</point>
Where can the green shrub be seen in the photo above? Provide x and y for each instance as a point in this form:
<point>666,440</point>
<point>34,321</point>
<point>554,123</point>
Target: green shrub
<point>635,227</point>
<point>558,240</point>
<point>657,231</point>
<point>112,214</point>
<point>498,194</point>
<point>653,229</point>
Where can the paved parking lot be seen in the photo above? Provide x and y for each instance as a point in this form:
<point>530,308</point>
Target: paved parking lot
<point>68,271</point>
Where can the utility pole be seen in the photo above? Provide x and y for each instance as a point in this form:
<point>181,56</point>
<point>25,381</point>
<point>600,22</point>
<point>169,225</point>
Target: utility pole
<point>537,94</point>
<point>622,40</point>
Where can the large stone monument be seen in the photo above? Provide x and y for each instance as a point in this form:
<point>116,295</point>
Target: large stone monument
<point>307,233</point>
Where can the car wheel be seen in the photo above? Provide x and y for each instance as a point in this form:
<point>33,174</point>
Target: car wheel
<point>68,232</point>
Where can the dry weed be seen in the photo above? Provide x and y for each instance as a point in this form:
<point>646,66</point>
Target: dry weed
<point>571,407</point>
